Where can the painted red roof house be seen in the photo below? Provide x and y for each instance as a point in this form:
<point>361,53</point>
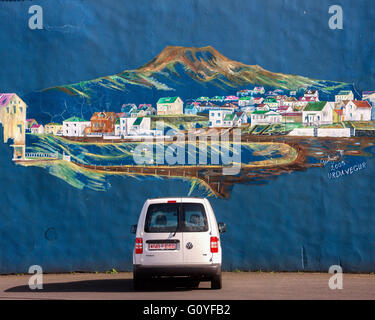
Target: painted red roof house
<point>263,106</point>
<point>258,100</point>
<point>357,111</point>
<point>30,123</point>
<point>231,98</point>
<point>37,129</point>
<point>283,109</point>
<point>362,104</point>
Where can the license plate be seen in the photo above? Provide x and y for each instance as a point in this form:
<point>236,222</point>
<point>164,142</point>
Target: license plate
<point>162,246</point>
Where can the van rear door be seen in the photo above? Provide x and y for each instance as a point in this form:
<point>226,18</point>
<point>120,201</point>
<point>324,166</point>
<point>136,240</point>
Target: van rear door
<point>196,233</point>
<point>162,239</point>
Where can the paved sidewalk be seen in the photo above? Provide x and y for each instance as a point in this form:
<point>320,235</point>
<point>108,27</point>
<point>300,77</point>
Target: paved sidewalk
<point>237,286</point>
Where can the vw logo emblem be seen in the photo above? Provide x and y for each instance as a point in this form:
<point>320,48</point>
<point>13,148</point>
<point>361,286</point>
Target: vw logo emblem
<point>189,245</point>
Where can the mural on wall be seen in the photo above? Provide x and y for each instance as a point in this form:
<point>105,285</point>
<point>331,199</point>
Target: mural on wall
<point>94,127</point>
<point>265,106</point>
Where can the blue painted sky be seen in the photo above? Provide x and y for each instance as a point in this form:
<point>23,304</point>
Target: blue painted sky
<point>84,39</point>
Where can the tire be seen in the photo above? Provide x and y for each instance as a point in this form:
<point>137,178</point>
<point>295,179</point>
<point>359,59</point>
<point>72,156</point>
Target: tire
<point>138,284</point>
<point>194,283</point>
<point>216,282</point>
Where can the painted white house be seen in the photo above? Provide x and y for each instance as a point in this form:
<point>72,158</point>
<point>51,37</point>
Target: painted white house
<point>318,113</point>
<point>170,105</point>
<point>357,111</point>
<point>37,129</point>
<point>135,126</point>
<point>274,117</point>
<point>75,127</point>
<point>290,102</point>
<point>245,101</point>
<point>242,118</point>
<point>118,127</point>
<point>344,95</point>
<point>304,101</point>
<point>263,107</point>
<point>230,120</point>
<point>280,99</point>
<point>265,117</point>
<point>217,116</point>
<point>248,109</point>
<point>272,103</point>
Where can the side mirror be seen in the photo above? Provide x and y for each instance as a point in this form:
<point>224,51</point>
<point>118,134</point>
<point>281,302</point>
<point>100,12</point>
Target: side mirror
<point>133,229</point>
<point>222,227</point>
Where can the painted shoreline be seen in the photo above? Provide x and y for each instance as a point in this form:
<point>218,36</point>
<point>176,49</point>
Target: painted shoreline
<point>210,177</point>
<point>297,154</point>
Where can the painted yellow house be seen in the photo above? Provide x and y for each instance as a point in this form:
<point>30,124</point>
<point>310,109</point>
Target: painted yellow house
<point>13,119</point>
<point>53,128</point>
<point>170,105</point>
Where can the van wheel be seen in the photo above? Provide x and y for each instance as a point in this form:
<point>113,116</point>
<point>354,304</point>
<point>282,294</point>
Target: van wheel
<point>137,283</point>
<point>216,282</point>
<point>194,283</point>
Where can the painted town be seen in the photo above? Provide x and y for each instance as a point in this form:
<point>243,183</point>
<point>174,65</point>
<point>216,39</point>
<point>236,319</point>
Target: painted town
<point>286,128</point>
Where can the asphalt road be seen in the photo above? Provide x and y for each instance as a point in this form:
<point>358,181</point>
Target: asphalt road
<point>238,286</point>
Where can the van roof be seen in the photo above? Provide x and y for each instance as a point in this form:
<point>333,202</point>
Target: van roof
<point>180,199</point>
<point>163,198</point>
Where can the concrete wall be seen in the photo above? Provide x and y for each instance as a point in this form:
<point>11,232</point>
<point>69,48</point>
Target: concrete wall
<point>302,132</point>
<point>343,132</point>
<point>321,132</point>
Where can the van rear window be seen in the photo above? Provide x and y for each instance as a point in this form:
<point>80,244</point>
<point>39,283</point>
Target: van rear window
<point>162,217</point>
<point>193,218</point>
<point>173,217</point>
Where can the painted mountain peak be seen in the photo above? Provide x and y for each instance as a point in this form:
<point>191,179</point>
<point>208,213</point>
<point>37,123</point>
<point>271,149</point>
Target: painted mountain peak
<point>205,64</point>
<point>184,71</point>
<point>208,64</point>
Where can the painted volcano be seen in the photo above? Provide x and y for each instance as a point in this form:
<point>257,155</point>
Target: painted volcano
<point>184,71</point>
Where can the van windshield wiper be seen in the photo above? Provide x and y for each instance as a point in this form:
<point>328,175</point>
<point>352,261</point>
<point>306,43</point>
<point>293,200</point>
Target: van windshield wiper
<point>178,220</point>
<point>175,232</point>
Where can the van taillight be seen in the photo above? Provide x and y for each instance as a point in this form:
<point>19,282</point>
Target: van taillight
<point>172,201</point>
<point>214,244</point>
<point>138,245</point>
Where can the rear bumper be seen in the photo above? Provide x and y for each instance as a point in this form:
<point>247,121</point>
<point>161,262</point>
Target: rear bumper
<point>199,271</point>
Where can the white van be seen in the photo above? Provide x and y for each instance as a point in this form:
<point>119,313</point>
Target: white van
<point>177,237</point>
